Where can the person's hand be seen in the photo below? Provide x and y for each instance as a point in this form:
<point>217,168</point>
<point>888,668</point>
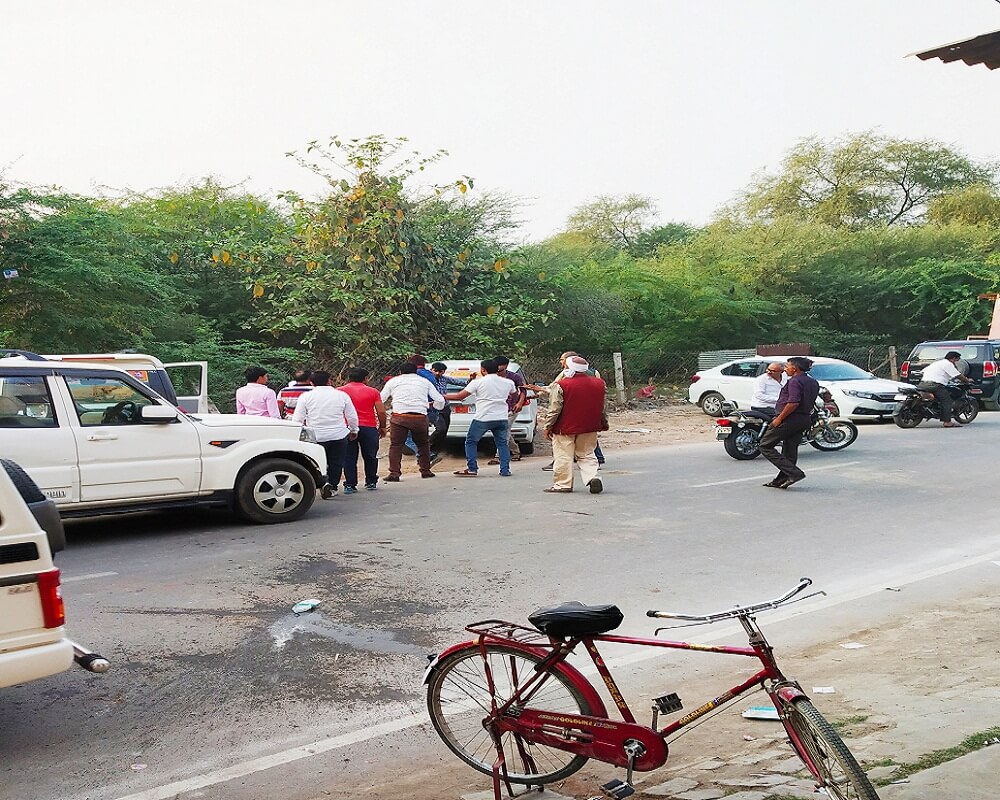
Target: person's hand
<point>548,433</point>
<point>775,422</point>
<point>352,436</point>
<point>518,407</point>
<point>382,433</point>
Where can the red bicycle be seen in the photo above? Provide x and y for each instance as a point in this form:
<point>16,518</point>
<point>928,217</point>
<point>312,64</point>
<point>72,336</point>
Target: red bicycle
<point>510,705</point>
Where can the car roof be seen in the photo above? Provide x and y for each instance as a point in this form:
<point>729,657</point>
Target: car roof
<point>462,367</point>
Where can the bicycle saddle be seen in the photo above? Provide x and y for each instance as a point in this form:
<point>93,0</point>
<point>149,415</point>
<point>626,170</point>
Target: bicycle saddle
<point>576,619</point>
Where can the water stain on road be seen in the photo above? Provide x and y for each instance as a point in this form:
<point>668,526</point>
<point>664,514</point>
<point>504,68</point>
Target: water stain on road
<point>357,638</point>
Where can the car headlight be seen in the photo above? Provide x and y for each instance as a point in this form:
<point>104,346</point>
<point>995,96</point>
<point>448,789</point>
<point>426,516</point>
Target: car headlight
<point>855,393</point>
<point>307,435</point>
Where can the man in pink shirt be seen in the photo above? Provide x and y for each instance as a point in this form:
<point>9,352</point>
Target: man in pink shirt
<point>371,427</point>
<point>257,399</point>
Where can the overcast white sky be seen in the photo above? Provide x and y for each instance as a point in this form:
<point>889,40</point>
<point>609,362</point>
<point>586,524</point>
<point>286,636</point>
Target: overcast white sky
<point>553,101</point>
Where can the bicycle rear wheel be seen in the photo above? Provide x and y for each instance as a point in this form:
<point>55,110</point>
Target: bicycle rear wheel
<point>824,753</point>
<point>458,700</point>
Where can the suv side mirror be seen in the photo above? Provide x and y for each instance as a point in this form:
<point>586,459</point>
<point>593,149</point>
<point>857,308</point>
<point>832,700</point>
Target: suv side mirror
<point>158,414</point>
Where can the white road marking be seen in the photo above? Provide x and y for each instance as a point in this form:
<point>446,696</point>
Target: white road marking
<point>760,477</point>
<point>172,790</point>
<point>89,577</point>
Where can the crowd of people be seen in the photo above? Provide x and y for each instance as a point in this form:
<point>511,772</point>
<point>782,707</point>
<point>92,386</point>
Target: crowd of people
<point>350,420</point>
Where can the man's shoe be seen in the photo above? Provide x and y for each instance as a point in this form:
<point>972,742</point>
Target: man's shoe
<point>391,479</point>
<point>505,474</point>
<point>596,485</point>
<point>791,481</point>
<point>328,491</point>
<point>547,467</point>
<point>427,475</point>
<point>350,490</point>
<point>493,462</point>
<point>775,484</point>
<point>951,425</point>
<point>435,458</point>
<point>557,490</point>
<point>371,487</point>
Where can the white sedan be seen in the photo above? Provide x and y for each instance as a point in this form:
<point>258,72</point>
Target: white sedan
<point>857,392</point>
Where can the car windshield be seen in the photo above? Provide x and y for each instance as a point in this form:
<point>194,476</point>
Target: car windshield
<point>838,372</point>
<point>935,352</point>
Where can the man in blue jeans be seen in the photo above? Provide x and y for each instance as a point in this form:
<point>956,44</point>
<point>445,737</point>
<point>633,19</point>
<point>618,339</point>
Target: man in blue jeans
<point>490,392</point>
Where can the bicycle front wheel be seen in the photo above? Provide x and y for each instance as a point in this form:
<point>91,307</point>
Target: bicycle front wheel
<point>458,699</point>
<point>825,754</point>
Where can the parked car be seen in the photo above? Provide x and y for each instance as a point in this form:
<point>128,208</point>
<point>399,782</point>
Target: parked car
<point>458,374</point>
<point>857,392</point>
<point>98,440</point>
<point>980,358</point>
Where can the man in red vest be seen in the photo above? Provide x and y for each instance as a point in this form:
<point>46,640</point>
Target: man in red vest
<point>575,415</point>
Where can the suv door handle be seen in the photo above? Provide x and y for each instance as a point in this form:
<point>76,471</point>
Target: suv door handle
<point>101,437</point>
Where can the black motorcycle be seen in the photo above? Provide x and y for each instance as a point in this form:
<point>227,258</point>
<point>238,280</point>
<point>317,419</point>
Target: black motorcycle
<point>914,405</point>
<point>741,431</point>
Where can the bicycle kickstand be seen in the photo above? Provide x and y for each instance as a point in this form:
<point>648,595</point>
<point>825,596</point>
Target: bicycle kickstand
<point>500,773</point>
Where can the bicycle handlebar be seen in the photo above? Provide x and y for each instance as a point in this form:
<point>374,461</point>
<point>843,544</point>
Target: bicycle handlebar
<point>739,611</point>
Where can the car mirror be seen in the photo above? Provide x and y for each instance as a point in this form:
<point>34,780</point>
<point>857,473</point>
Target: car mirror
<point>158,414</point>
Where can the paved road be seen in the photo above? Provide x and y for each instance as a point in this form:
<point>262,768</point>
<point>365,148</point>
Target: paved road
<point>212,671</point>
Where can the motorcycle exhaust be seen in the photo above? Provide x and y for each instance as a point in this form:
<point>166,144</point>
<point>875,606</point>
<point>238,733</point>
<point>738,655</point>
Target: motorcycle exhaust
<point>92,662</point>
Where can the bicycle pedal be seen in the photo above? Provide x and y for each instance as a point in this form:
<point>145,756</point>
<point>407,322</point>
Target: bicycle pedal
<point>668,704</point>
<point>617,789</point>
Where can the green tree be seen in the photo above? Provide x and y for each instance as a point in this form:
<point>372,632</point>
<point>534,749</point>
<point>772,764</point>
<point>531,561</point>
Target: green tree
<point>614,220</point>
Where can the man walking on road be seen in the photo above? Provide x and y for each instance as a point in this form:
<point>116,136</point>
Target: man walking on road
<point>334,420</point>
<point>257,399</point>
<point>372,426</point>
<point>490,393</point>
<point>793,416</point>
<point>515,403</point>
<point>575,415</point>
<point>409,394</point>
<point>935,378</point>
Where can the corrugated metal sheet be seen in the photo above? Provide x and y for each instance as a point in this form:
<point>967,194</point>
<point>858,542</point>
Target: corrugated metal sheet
<point>713,358</point>
<point>983,50</point>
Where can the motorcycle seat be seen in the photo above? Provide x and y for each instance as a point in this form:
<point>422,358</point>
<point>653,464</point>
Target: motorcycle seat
<point>755,414</point>
<point>576,619</point>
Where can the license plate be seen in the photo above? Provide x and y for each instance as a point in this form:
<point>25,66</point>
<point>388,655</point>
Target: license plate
<point>721,431</point>
<point>901,397</point>
<point>464,409</point>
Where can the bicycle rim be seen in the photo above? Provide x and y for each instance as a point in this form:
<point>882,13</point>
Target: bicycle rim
<point>824,753</point>
<point>458,700</point>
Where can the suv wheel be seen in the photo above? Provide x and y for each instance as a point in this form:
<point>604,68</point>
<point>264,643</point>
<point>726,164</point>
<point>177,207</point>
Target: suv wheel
<point>275,490</point>
<point>711,404</point>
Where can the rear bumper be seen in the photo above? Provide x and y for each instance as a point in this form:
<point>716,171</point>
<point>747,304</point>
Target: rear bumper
<point>32,663</point>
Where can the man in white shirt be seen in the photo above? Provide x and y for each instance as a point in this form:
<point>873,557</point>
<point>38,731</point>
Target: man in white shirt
<point>767,389</point>
<point>332,416</point>
<point>936,375</point>
<point>409,394</point>
<point>490,392</point>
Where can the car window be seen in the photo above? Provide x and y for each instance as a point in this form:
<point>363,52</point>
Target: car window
<point>838,372</point>
<point>25,402</point>
<point>106,401</point>
<point>743,369</point>
<point>935,352</point>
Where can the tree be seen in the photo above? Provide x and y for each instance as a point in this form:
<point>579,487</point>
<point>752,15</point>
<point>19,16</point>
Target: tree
<point>615,220</point>
<point>864,179</point>
<point>978,204</point>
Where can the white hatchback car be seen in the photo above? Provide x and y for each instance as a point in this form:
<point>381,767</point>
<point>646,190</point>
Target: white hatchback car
<point>458,374</point>
<point>857,392</point>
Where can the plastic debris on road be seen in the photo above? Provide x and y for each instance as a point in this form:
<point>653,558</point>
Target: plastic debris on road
<point>633,430</point>
<point>824,690</point>
<point>305,605</point>
<point>852,645</point>
<point>761,712</point>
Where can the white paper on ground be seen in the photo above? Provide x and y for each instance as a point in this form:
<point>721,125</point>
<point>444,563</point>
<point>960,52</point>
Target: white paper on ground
<point>761,712</point>
<point>824,690</point>
<point>852,645</point>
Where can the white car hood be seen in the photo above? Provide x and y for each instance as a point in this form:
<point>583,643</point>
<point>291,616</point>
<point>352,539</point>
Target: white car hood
<point>245,421</point>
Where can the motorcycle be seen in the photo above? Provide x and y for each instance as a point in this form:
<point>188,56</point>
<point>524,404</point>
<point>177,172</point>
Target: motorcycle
<point>740,431</point>
<point>915,405</point>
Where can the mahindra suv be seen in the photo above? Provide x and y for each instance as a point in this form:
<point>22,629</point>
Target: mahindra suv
<point>99,440</point>
<point>980,358</point>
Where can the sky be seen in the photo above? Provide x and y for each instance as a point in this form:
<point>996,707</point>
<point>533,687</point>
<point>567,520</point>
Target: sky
<point>552,101</point>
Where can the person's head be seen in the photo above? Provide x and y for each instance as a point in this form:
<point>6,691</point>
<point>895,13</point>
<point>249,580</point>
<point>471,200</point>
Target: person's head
<point>321,378</point>
<point>953,356</point>
<point>490,367</point>
<point>797,364</point>
<point>438,368</point>
<point>417,360</point>
<point>567,354</point>
<point>576,365</point>
<point>256,375</point>
<point>775,370</point>
<point>502,363</point>
<point>357,375</point>
<point>302,376</point>
<point>407,368</point>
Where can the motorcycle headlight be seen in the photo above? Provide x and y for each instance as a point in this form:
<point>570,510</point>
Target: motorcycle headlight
<point>307,435</point>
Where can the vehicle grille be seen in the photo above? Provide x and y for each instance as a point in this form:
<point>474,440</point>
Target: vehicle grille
<point>885,398</point>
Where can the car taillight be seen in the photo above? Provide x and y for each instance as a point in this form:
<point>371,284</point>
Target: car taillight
<point>904,371</point>
<point>695,378</point>
<point>53,610</point>
<point>989,369</point>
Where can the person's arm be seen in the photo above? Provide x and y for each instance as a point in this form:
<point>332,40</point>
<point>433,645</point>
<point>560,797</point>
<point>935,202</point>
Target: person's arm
<point>794,399</point>
<point>272,404</point>
<point>240,408</point>
<point>382,418</point>
<point>351,415</point>
<point>386,393</point>
<point>522,396</point>
<point>299,414</point>
<point>437,399</point>
<point>554,410</point>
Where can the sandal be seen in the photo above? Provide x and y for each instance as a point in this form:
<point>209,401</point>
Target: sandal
<point>465,473</point>
<point>557,490</point>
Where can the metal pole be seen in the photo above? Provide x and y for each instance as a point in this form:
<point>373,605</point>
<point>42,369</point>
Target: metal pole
<point>619,377</point>
<point>893,370</point>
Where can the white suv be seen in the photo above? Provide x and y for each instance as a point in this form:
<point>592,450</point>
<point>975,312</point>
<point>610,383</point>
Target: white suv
<point>98,440</point>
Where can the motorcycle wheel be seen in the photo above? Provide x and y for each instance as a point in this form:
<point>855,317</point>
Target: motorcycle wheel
<point>743,445</point>
<point>905,417</point>
<point>966,411</point>
<point>835,436</point>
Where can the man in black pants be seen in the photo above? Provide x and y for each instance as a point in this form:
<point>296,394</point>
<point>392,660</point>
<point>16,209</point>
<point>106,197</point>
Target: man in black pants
<point>793,416</point>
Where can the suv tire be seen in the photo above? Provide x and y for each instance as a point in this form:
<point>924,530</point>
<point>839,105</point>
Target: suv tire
<point>274,490</point>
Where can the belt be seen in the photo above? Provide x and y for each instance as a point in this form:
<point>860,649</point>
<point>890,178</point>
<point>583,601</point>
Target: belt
<point>408,414</point>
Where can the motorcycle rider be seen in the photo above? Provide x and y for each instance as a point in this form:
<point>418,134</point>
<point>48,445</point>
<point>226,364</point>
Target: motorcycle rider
<point>794,416</point>
<point>767,389</point>
<point>935,379</point>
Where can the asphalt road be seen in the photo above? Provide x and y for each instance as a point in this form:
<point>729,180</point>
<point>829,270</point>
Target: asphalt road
<point>215,683</point>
